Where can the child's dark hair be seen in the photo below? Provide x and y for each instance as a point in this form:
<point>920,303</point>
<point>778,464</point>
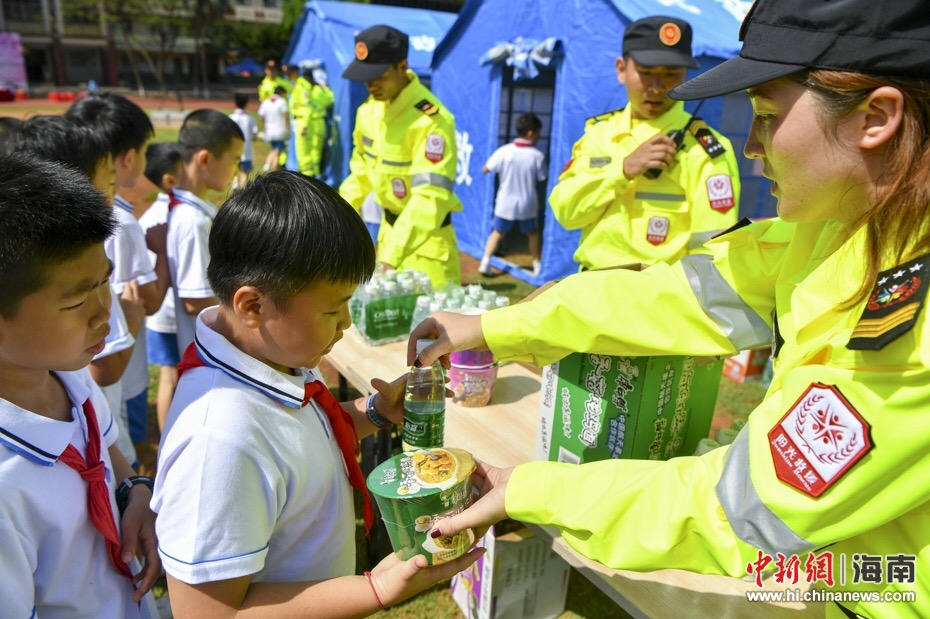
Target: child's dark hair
<point>160,159</point>
<point>62,139</point>
<point>9,127</point>
<point>210,130</point>
<point>280,90</point>
<point>282,233</point>
<point>241,99</point>
<point>528,122</point>
<point>123,124</point>
<point>49,213</point>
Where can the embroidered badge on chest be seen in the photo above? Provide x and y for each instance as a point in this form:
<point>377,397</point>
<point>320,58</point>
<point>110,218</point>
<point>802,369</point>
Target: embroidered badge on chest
<point>893,305</point>
<point>720,193</point>
<point>818,440</point>
<point>400,189</point>
<point>657,231</point>
<point>435,147</point>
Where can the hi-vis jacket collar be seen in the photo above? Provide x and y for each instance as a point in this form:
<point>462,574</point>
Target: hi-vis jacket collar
<point>218,353</point>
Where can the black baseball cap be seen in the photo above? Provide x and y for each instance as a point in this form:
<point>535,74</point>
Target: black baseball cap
<point>376,49</point>
<point>781,37</point>
<point>659,41</point>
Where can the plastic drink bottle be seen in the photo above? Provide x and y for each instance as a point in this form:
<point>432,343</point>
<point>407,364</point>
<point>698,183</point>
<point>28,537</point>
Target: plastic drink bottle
<point>424,405</point>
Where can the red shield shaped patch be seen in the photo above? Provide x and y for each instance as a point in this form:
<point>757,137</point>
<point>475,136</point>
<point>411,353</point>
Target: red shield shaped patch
<point>400,189</point>
<point>657,231</point>
<point>720,193</point>
<point>435,147</point>
<point>818,440</point>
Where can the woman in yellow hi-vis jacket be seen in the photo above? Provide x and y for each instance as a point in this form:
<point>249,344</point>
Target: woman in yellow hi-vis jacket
<point>834,464</point>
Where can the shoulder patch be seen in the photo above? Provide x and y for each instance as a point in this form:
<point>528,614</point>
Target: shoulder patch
<point>427,107</point>
<point>706,138</point>
<point>593,120</point>
<point>893,305</point>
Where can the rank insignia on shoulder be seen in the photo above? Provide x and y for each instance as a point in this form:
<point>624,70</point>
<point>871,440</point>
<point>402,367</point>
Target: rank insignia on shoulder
<point>593,120</point>
<point>706,138</point>
<point>893,305</point>
<point>427,107</point>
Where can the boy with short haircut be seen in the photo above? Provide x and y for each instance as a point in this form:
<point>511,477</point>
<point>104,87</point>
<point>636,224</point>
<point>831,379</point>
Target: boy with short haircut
<point>163,168</point>
<point>126,128</point>
<point>211,145</point>
<point>64,524</point>
<point>254,508</point>
<point>68,140</point>
<point>274,114</point>
<point>249,130</point>
<point>520,166</point>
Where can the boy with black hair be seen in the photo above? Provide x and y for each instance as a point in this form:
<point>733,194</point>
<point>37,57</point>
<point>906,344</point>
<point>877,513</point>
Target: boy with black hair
<point>64,523</point>
<point>69,141</point>
<point>249,130</point>
<point>126,128</point>
<point>211,145</point>
<point>254,508</point>
<point>163,168</point>
<point>520,167</point>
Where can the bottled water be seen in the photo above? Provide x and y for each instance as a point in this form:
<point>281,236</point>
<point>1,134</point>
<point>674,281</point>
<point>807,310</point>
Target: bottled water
<point>424,405</point>
<point>420,312</point>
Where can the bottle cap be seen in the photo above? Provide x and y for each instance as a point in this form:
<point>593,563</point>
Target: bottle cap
<point>422,344</point>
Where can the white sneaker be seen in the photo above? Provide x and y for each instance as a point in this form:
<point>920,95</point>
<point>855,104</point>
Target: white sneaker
<point>485,267</point>
<point>536,267</point>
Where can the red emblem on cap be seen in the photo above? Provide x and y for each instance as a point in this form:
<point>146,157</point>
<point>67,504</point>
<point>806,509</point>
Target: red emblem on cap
<point>361,50</point>
<point>818,440</point>
<point>670,34</point>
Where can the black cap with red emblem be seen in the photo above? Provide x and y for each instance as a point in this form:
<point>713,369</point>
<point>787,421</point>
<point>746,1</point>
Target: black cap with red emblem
<point>376,49</point>
<point>659,41</point>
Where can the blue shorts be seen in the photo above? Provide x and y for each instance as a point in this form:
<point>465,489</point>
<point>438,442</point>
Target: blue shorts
<point>504,225</point>
<point>162,348</point>
<point>245,166</point>
<point>137,410</point>
<point>278,145</point>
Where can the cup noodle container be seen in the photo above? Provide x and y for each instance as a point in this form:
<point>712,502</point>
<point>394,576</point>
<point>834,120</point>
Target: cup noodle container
<point>472,373</point>
<point>416,489</point>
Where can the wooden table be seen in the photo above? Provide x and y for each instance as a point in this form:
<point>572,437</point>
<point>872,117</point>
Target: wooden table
<point>504,434</point>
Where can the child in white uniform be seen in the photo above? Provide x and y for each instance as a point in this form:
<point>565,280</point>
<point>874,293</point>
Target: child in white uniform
<point>254,505</point>
<point>54,421</point>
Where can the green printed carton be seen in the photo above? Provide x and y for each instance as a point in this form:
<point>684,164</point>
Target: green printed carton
<point>595,407</point>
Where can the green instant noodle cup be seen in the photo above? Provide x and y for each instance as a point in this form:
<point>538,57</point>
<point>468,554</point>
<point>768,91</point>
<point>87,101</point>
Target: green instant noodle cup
<point>416,489</point>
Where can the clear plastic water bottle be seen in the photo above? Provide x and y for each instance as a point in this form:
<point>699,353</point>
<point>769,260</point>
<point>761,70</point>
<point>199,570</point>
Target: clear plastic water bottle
<point>424,405</point>
<point>501,302</point>
<point>420,311</point>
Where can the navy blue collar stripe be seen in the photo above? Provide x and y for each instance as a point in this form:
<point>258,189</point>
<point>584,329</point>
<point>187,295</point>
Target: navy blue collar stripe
<point>286,397</point>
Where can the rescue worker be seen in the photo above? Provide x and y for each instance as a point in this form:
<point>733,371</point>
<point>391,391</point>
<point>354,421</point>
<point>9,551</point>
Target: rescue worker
<point>310,104</point>
<point>403,160</point>
<point>636,197</point>
<point>271,81</point>
<point>833,464</point>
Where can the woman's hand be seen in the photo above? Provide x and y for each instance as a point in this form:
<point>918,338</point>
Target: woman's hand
<point>451,331</point>
<point>491,483</point>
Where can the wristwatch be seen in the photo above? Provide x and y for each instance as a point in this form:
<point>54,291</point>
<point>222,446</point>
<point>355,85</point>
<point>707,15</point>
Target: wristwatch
<point>122,493</point>
<point>374,417</point>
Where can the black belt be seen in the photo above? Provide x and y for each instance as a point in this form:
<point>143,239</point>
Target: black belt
<point>848,612</point>
<point>391,218</point>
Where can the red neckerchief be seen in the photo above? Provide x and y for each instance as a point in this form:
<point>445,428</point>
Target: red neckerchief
<point>172,200</point>
<point>339,419</point>
<point>522,142</point>
<point>92,470</point>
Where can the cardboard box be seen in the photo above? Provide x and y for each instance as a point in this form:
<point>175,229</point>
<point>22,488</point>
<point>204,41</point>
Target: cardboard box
<point>520,577</point>
<point>746,364</point>
<point>596,407</point>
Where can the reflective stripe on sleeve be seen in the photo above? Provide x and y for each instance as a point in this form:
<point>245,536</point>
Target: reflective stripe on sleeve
<point>369,154</point>
<point>660,197</point>
<point>698,239</point>
<point>740,323</point>
<point>398,164</point>
<point>431,178</point>
<point>752,521</point>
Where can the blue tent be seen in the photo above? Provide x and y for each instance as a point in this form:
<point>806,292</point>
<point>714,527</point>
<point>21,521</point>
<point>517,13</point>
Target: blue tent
<point>326,32</point>
<point>556,59</point>
<point>246,66</point>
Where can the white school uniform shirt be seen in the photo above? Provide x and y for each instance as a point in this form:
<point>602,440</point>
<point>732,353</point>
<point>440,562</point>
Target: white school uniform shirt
<point>162,320</point>
<point>131,261</point>
<point>250,482</point>
<point>189,224</point>
<point>273,112</point>
<point>53,562</point>
<point>519,166</point>
<point>249,130</point>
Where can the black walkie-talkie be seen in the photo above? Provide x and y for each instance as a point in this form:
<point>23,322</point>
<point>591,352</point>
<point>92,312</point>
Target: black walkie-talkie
<point>678,136</point>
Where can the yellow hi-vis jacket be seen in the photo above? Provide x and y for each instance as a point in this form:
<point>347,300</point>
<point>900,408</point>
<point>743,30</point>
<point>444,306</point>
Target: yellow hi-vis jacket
<point>267,86</point>
<point>405,157</point>
<point>643,220</point>
<point>836,459</point>
<point>309,104</point>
